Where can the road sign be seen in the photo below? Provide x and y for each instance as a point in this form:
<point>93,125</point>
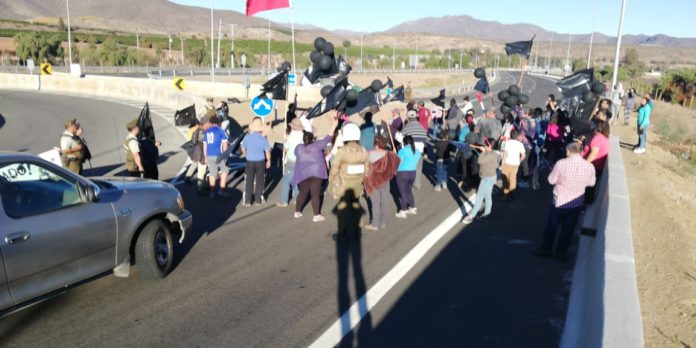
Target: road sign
<point>262,107</point>
<point>46,69</point>
<point>292,79</point>
<point>179,83</point>
<point>30,65</point>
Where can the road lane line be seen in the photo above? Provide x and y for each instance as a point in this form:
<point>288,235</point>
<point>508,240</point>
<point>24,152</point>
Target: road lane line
<point>348,320</point>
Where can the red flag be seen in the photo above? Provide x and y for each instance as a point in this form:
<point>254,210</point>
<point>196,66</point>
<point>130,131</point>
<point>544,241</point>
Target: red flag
<point>255,6</point>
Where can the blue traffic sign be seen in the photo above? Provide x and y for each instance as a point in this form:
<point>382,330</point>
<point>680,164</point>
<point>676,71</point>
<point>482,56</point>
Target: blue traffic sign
<point>262,107</point>
<point>292,79</point>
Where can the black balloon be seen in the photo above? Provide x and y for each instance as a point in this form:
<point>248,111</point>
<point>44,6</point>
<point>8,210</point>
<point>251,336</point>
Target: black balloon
<point>328,48</point>
<point>286,66</point>
<point>598,88</point>
<point>325,63</point>
<point>376,85</point>
<point>589,97</point>
<point>523,99</point>
<point>502,95</point>
<point>514,90</point>
<point>512,101</point>
<point>326,90</point>
<point>505,109</point>
<point>352,96</point>
<point>479,73</point>
<point>319,43</point>
<point>314,56</point>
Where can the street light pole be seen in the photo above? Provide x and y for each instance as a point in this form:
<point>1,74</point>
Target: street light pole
<point>615,75</point>
<point>67,6</point>
<point>589,54</point>
<point>362,42</point>
<point>212,44</point>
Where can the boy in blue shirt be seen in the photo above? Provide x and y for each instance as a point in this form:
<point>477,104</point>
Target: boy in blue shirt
<point>215,147</point>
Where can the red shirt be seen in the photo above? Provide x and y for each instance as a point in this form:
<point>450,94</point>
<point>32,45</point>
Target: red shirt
<point>424,118</point>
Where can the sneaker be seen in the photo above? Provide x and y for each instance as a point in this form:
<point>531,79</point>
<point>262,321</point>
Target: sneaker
<point>467,220</point>
<point>247,205</point>
<point>318,218</point>
<point>438,189</point>
<point>281,205</point>
<point>383,226</point>
<point>297,215</point>
<point>639,151</point>
<point>401,214</point>
<point>370,228</point>
<point>224,194</point>
<point>412,211</point>
<point>257,204</point>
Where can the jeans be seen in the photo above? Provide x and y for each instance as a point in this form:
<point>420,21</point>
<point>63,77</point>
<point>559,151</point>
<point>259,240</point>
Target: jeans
<point>286,183</point>
<point>380,204</point>
<point>405,180</point>
<point>567,218</point>
<point>441,172</point>
<point>642,137</point>
<point>484,195</point>
<point>310,186</point>
<point>255,176</point>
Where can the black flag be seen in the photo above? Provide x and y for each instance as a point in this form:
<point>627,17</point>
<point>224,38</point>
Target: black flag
<point>145,124</point>
<point>277,87</point>
<point>482,86</point>
<point>440,100</point>
<point>397,95</point>
<point>366,98</point>
<point>332,100</point>
<point>185,116</point>
<point>390,83</point>
<point>523,48</point>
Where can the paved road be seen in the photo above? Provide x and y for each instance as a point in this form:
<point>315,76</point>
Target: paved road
<point>257,277</point>
<point>34,124</point>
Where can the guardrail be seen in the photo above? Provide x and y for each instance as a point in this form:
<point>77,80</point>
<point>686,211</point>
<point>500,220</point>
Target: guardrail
<point>604,310</point>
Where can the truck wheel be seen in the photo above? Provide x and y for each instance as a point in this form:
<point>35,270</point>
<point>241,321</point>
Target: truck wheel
<point>154,250</point>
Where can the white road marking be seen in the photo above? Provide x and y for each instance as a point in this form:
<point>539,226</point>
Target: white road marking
<point>348,320</point>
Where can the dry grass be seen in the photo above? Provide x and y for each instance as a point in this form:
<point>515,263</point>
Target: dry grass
<point>675,127</point>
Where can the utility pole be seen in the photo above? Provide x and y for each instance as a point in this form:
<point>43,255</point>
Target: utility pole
<point>137,41</point>
<point>589,54</point>
<point>415,67</point>
<point>212,44</point>
<point>269,46</point>
<point>570,38</point>
<point>232,46</point>
<point>615,75</point>
<point>170,46</point>
<point>362,42</point>
<point>393,56</point>
<point>67,5</point>
<point>217,65</point>
<point>548,60</point>
<point>183,57</point>
<point>461,54</point>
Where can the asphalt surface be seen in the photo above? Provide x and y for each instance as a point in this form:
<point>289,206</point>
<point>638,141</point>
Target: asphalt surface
<point>256,277</point>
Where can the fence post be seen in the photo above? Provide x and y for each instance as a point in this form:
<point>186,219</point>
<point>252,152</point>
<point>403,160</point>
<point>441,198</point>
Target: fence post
<point>691,101</point>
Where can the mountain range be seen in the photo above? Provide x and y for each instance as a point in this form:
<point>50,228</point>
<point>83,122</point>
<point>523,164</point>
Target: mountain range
<point>162,16</point>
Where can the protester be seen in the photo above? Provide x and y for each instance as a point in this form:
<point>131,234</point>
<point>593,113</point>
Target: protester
<point>513,154</point>
<point>293,139</point>
<point>489,161</point>
<point>257,151</point>
<point>468,105</point>
<point>350,165</point>
<point>489,126</point>
<point>570,176</point>
<point>195,152</point>
<point>408,92</point>
<point>383,167</point>
<point>617,96</point>
<point>70,148</point>
<point>208,107</point>
<point>630,105</point>
<point>424,116</point>
<point>643,123</point>
<point>454,117</point>
<point>310,171</point>
<point>367,132</point>
<point>442,154</point>
<point>406,176</point>
<point>605,105</point>
<point>134,164</point>
<point>554,139</point>
<point>466,126</point>
<point>479,97</point>
<point>215,147</point>
<point>420,136</point>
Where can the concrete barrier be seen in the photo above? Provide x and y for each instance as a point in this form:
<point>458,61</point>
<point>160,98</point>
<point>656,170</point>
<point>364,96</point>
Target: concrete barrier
<point>604,310</point>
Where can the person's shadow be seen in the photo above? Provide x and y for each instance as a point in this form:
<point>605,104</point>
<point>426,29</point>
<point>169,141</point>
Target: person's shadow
<point>349,251</point>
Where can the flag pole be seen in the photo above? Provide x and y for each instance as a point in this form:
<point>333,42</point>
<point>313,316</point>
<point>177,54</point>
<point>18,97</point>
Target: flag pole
<point>292,29</point>
<point>269,46</point>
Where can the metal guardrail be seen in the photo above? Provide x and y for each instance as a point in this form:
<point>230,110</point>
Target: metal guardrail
<point>604,310</point>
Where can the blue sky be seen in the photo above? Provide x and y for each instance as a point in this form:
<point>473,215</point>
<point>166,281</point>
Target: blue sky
<point>671,17</point>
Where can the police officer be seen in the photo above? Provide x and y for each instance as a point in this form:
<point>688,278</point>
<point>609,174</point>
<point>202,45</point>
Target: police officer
<point>134,164</point>
<point>70,148</point>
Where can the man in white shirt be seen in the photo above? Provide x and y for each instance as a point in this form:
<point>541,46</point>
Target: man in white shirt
<point>513,154</point>
<point>468,105</point>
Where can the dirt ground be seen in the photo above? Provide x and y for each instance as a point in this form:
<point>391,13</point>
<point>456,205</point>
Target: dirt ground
<point>662,188</point>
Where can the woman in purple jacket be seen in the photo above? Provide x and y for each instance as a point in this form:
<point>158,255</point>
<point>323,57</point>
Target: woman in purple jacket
<point>310,172</point>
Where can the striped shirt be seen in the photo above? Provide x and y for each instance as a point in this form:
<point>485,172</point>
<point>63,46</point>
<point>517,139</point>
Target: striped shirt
<point>416,131</point>
<point>571,176</point>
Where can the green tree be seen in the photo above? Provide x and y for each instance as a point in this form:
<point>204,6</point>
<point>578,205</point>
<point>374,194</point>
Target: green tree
<point>39,47</point>
<point>61,25</point>
<point>631,57</point>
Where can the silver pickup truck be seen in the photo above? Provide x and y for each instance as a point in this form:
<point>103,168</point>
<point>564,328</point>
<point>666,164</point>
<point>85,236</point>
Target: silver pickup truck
<point>58,229</point>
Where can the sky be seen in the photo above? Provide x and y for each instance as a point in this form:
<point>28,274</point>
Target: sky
<point>670,17</point>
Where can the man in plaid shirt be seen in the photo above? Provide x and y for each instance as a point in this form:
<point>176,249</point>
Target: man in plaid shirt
<point>570,177</point>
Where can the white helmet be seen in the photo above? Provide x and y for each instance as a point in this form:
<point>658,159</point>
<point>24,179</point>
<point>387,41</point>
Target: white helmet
<point>351,132</point>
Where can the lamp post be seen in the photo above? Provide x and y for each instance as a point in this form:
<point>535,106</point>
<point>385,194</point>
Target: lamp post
<point>67,6</point>
<point>615,74</point>
<point>589,54</point>
<point>212,44</point>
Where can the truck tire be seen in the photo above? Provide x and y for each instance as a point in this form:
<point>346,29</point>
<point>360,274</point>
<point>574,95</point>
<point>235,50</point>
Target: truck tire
<point>154,250</point>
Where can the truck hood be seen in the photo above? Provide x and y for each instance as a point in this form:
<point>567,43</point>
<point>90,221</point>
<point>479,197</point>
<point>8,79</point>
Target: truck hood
<point>129,183</point>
